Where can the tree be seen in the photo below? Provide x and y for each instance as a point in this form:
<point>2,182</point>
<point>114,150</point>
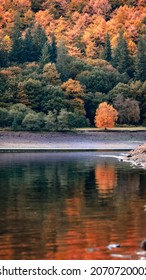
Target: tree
<point>140,63</point>
<point>53,99</point>
<point>53,49</point>
<point>3,58</point>
<point>51,75</point>
<point>32,90</point>
<point>92,100</point>
<point>50,121</point>
<point>99,79</point>
<point>33,121</point>
<point>105,116</point>
<point>36,5</point>
<point>29,48</point>
<point>16,53</point>
<point>123,89</point>
<point>4,114</point>
<point>45,55</point>
<point>39,39</point>
<point>64,61</point>
<point>128,110</point>
<point>62,120</point>
<point>107,54</point>
<point>121,57</point>
<point>74,93</point>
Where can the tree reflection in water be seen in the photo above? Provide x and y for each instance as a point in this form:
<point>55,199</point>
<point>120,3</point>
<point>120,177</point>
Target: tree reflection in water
<point>106,178</point>
<point>69,206</point>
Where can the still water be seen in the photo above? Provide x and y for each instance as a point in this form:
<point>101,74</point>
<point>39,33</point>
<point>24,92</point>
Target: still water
<point>70,206</point>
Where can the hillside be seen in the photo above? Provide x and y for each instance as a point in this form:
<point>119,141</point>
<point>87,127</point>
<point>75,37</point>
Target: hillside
<point>60,59</point>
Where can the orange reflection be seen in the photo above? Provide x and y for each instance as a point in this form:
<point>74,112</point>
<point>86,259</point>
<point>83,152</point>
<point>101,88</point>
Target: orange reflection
<point>105,177</point>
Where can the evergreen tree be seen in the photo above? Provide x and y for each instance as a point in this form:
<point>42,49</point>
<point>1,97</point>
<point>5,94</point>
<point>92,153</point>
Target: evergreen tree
<point>46,54</point>
<point>140,62</point>
<point>64,61</point>
<point>39,38</point>
<point>107,54</point>
<point>16,53</point>
<point>121,57</point>
<point>29,49</point>
<point>53,55</point>
<point>3,58</point>
<point>36,5</point>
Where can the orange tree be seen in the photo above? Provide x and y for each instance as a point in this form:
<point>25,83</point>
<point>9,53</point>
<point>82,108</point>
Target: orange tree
<point>105,116</point>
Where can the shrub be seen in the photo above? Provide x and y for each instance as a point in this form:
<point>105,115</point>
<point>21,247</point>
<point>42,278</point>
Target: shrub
<point>33,122</point>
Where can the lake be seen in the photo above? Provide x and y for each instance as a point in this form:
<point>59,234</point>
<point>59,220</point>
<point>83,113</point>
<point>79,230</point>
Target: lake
<point>70,205</point>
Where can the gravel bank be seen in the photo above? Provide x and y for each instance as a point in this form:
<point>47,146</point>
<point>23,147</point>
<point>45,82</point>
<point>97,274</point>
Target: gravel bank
<point>83,140</point>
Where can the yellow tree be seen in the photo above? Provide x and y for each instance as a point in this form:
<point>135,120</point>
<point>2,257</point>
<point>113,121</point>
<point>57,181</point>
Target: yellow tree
<point>74,93</point>
<point>105,116</point>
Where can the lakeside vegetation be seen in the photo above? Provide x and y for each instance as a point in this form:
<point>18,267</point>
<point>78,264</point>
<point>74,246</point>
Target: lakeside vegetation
<point>59,60</point>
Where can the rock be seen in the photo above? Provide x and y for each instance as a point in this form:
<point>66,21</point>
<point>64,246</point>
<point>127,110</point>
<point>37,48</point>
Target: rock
<point>137,156</point>
<point>143,245</point>
<point>113,246</point>
<point>129,156</point>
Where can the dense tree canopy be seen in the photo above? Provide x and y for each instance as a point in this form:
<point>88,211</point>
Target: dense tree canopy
<point>61,59</point>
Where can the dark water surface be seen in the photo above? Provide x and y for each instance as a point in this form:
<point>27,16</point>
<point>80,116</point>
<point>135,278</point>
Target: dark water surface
<point>70,206</point>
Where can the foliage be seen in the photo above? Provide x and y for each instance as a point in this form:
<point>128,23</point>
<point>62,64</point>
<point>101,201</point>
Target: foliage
<point>33,122</point>
<point>50,121</point>
<point>64,58</point>
<point>3,117</point>
<point>106,116</point>
<point>121,58</point>
<point>140,62</point>
<point>128,110</point>
<point>107,54</point>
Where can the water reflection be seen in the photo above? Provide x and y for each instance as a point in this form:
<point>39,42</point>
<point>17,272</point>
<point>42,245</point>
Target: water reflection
<point>106,178</point>
<point>69,206</point>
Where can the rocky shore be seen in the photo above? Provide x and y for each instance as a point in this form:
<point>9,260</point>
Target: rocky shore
<point>137,156</point>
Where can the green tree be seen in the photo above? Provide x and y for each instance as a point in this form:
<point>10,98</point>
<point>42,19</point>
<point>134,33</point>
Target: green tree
<point>51,75</point>
<point>3,58</point>
<point>36,5</point>
<point>121,57</point>
<point>92,101</point>
<point>33,90</point>
<point>99,79</point>
<point>50,121</point>
<point>17,113</point>
<point>107,54</point>
<point>53,49</point>
<point>4,116</point>
<point>120,88</point>
<point>64,61</point>
<point>33,122</point>
<point>62,120</point>
<point>140,62</point>
<point>45,54</point>
<point>29,48</point>
<point>53,99</point>
<point>16,52</point>
<point>39,39</point>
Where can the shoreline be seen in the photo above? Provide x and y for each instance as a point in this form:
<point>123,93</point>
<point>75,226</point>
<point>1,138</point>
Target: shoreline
<point>137,156</point>
<point>71,141</point>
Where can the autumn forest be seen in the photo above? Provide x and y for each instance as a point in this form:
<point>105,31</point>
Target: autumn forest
<point>60,59</point>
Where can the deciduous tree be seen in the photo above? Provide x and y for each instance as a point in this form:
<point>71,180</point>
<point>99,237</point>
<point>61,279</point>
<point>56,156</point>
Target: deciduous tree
<point>106,116</point>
